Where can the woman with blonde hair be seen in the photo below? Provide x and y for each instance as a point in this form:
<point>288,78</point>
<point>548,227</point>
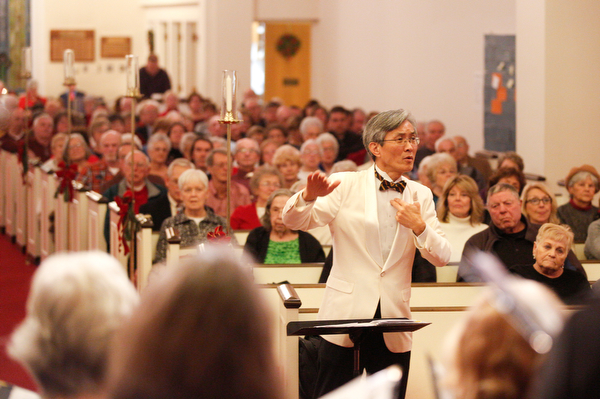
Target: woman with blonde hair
<point>539,204</point>
<point>460,212</point>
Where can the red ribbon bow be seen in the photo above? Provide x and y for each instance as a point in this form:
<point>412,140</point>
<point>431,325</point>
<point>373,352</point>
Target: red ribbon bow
<point>124,204</point>
<point>66,174</point>
<point>218,235</point>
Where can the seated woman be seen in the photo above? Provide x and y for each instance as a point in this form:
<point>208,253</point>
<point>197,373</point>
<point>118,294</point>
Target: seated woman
<point>539,204</point>
<point>460,212</point>
<point>274,243</point>
<point>511,176</point>
<point>78,152</point>
<point>592,242</point>
<point>201,331</point>
<point>579,213</point>
<point>440,168</point>
<point>57,147</point>
<point>76,303</point>
<point>487,356</point>
<point>511,159</point>
<point>175,133</point>
<point>287,160</point>
<point>550,251</point>
<point>159,147</point>
<point>196,220</point>
<point>264,181</point>
<point>310,158</point>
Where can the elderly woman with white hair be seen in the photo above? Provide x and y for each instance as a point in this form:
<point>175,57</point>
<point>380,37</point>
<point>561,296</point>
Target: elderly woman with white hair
<point>76,303</point>
<point>310,158</point>
<point>329,147</point>
<point>440,168</point>
<point>196,220</point>
<point>310,128</point>
<point>159,147</point>
<point>583,183</point>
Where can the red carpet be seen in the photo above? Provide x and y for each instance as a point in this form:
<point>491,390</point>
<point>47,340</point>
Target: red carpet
<point>15,278</point>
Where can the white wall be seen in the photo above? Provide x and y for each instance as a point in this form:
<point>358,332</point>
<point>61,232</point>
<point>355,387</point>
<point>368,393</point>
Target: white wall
<point>107,18</point>
<point>423,55</point>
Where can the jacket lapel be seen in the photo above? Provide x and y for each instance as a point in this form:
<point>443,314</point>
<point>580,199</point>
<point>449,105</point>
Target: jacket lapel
<point>371,219</point>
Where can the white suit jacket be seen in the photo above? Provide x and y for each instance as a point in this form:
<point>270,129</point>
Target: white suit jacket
<point>359,278</point>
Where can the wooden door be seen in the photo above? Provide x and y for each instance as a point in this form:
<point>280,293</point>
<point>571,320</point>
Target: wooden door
<point>287,62</point>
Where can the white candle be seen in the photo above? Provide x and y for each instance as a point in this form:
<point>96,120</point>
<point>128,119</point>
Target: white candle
<point>27,60</point>
<point>68,60</point>
<point>228,93</point>
<point>132,73</point>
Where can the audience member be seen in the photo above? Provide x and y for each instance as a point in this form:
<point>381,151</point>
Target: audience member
<point>267,151</point>
<point>117,123</point>
<point>276,133</point>
<point>179,344</point>
<point>216,128</point>
<point>94,176</point>
<point>509,175</point>
<point>592,242</point>
<point>159,147</point>
<point>246,155</point>
<point>185,145</point>
<point>579,213</point>
<point>550,251</point>
<point>329,148</point>
<point>199,151</point>
<point>489,354</point>
<point>275,243</point>
<point>148,117</point>
<point>256,133</point>
<point>510,235</point>
<point>511,159</point>
<point>310,158</point>
<point>95,131</point>
<point>175,132</point>
<point>434,130</point>
<point>464,159</point>
<point>440,168</point>
<point>263,182</point>
<point>196,219</point>
<point>350,144</point>
<point>77,152</point>
<point>31,100</point>
<point>359,119</point>
<point>217,187</point>
<point>195,104</point>
<point>460,212</point>
<point>539,205</point>
<point>14,137</point>
<point>252,105</point>
<point>174,171</point>
<point>287,160</point>
<point>39,143</point>
<point>171,103</point>
<point>310,128</point>
<point>269,113</point>
<point>76,303</point>
<point>57,147</point>
<point>153,79</point>
<point>448,145</point>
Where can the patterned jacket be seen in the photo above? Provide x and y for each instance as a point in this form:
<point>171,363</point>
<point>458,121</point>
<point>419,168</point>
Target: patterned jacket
<point>190,232</point>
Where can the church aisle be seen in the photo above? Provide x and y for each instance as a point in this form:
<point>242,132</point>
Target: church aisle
<point>15,278</point>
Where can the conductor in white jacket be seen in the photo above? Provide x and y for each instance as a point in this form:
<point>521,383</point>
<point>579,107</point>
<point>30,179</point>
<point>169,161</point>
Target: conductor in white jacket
<point>378,219</point>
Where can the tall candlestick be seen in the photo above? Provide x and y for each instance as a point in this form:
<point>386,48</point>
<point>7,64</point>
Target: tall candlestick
<point>229,89</point>
<point>68,60</point>
<point>133,76</point>
<point>26,63</point>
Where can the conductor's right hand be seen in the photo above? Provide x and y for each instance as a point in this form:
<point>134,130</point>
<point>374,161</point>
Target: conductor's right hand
<point>317,185</point>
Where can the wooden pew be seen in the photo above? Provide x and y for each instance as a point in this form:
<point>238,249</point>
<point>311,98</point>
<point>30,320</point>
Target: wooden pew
<point>116,250</point>
<point>240,236</point>
<point>304,273</point>
<point>34,212</point>
<point>447,274</point>
<point>78,219</point>
<point>21,210</point>
<point>144,250</point>
<point>592,268</point>
<point>11,178</point>
<point>578,249</point>
<point>3,173</point>
<point>97,208</point>
<point>61,221</point>
<point>48,187</point>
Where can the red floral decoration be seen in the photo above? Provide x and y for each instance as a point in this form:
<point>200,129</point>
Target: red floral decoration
<point>127,224</point>
<point>66,174</point>
<point>218,235</point>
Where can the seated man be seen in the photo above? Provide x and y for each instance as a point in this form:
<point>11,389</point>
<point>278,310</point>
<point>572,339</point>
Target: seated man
<point>124,150</point>
<point>510,236</point>
<point>95,175</point>
<point>217,187</point>
<point>247,155</point>
<point>450,146</point>
<point>150,198</point>
<point>39,142</point>
<point>13,139</point>
<point>176,168</point>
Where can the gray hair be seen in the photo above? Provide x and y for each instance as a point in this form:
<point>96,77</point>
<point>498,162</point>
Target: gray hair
<point>385,122</point>
<point>126,138</point>
<point>253,143</point>
<point>210,159</point>
<point>345,165</point>
<point>498,188</point>
<point>185,145</point>
<point>191,176</point>
<point>40,117</point>
<point>266,218</point>
<point>181,162</point>
<point>328,138</point>
<point>158,137</point>
<point>582,175</point>
<point>262,171</point>
<point>76,303</point>
<point>129,155</point>
<point>439,142</point>
<point>307,143</point>
<point>435,161</point>
<point>308,122</point>
<point>110,133</point>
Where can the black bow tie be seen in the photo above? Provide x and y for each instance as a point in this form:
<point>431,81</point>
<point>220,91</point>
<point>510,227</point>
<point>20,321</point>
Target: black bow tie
<point>388,185</point>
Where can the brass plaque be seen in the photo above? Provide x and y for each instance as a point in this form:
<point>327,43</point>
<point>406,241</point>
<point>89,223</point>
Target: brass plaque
<point>80,41</point>
<point>115,47</point>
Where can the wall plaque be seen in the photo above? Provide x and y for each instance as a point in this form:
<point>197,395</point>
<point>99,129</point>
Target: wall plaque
<point>115,47</point>
<point>80,41</point>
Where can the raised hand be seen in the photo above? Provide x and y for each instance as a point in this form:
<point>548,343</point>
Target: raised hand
<point>409,215</point>
<point>317,185</point>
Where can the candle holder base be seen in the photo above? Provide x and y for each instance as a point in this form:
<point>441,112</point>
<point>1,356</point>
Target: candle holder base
<point>133,93</point>
<point>229,119</point>
<point>69,82</point>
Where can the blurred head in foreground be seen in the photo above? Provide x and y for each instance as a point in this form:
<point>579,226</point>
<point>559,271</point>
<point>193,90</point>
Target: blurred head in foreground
<point>201,331</point>
<point>76,303</point>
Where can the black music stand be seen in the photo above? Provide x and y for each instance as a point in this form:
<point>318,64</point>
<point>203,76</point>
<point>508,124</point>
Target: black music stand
<point>357,329</point>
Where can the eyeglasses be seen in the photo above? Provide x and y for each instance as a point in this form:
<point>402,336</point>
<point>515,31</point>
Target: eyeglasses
<point>536,201</point>
<point>404,141</point>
